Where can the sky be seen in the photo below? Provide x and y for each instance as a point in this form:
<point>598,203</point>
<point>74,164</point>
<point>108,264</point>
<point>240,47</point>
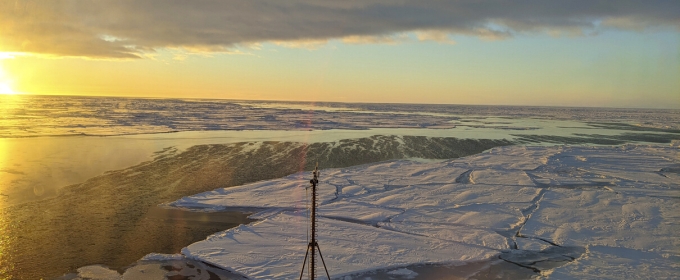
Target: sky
<point>543,52</point>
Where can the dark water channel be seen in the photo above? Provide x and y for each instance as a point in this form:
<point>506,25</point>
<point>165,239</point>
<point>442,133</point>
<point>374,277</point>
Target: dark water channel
<point>187,227</point>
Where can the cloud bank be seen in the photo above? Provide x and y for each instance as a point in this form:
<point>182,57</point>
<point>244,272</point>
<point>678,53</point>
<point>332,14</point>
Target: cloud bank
<point>130,28</point>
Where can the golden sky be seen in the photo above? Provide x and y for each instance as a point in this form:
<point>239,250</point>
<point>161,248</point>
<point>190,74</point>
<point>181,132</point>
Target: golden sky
<point>486,52</point>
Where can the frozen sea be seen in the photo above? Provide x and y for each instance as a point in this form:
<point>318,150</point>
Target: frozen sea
<point>119,188</point>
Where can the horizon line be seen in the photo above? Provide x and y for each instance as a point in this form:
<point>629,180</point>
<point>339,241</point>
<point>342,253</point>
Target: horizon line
<point>346,102</point>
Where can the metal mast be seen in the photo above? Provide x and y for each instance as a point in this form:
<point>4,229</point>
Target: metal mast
<point>313,245</point>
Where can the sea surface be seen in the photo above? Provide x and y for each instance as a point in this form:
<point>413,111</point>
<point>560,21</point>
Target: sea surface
<point>82,178</point>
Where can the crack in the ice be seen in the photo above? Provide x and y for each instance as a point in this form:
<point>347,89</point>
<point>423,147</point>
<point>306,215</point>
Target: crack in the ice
<point>539,238</point>
<point>535,204</point>
<point>529,211</point>
<point>543,260</point>
<point>521,265</point>
<point>338,188</point>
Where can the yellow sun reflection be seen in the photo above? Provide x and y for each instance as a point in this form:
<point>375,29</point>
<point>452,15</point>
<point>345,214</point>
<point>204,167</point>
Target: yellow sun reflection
<point>5,153</point>
<point>7,228</point>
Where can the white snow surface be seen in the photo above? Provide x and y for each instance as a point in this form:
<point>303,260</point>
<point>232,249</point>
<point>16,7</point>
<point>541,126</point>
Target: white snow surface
<point>152,267</point>
<point>619,204</point>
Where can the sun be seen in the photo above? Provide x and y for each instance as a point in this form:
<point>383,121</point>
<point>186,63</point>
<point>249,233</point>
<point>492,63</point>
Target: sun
<point>5,89</point>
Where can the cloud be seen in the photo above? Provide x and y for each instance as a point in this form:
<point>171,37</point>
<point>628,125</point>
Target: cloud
<point>303,44</point>
<point>131,28</point>
<point>439,36</point>
<point>391,39</point>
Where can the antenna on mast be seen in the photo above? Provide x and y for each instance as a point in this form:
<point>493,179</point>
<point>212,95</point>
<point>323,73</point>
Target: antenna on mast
<point>313,246</point>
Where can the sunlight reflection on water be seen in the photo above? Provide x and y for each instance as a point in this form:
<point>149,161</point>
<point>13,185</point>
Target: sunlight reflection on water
<point>6,250</point>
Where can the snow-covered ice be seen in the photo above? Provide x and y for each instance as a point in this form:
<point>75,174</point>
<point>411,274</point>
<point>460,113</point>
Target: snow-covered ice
<point>153,267</point>
<point>274,248</point>
<point>565,212</point>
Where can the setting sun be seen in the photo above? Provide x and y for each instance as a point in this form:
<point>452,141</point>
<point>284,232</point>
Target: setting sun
<point>5,81</point>
<point>5,89</point>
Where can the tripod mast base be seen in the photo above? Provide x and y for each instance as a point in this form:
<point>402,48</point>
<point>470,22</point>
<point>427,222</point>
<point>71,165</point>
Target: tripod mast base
<point>311,246</point>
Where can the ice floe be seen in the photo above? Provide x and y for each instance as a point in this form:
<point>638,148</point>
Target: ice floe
<point>564,212</point>
<point>155,266</point>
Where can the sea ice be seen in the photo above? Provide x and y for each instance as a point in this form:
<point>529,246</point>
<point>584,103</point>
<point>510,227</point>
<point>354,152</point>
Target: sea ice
<point>153,267</point>
<point>274,248</point>
<point>564,212</point>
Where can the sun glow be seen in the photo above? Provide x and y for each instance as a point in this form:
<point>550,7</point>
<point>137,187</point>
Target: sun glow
<point>5,82</point>
<point>5,89</point>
